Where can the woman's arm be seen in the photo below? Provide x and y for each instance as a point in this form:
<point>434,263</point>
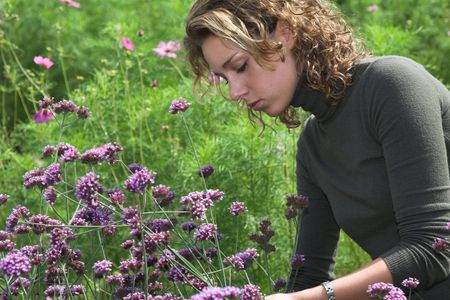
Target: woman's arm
<point>349,287</point>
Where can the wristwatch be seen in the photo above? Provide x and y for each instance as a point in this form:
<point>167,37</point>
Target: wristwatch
<point>329,290</point>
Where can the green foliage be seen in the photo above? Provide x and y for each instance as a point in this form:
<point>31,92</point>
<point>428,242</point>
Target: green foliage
<point>94,71</point>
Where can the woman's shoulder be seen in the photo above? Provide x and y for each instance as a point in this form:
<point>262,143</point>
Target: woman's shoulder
<point>379,68</point>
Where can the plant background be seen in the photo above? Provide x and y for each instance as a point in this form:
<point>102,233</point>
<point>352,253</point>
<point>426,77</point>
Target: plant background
<point>94,71</point>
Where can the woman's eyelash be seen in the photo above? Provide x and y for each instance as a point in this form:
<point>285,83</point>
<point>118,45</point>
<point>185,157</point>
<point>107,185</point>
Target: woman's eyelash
<point>242,68</point>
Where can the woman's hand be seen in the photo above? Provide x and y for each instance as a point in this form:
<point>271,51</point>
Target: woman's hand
<point>280,297</point>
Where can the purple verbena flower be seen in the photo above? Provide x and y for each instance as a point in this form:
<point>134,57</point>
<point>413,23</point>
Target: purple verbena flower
<point>188,226</point>
<point>440,244</point>
<point>131,264</point>
<point>65,106</point>
<point>3,198</point>
<point>138,181</point>
<point>237,208</point>
<point>134,167</point>
<point>107,152</point>
<point>45,102</point>
<point>17,213</point>
<point>87,189</point>
<point>19,284</point>
<point>251,292</point>
<point>217,293</point>
<point>83,113</point>
<point>43,177</point>
<point>205,232</point>
<point>42,223</point>
<point>297,261</point>
<point>55,291</point>
<point>178,105</point>
<point>127,244</point>
<point>410,283</point>
<point>135,296</point>
<point>116,196</point>
<point>199,202</point>
<point>162,195</point>
<point>116,279</point>
<point>15,264</point>
<point>206,171</point>
<point>48,151</point>
<point>279,284</point>
<point>101,267</point>
<point>7,245</point>
<point>50,195</point>
<point>379,289</point>
<point>131,217</point>
<point>67,152</point>
<point>242,260</point>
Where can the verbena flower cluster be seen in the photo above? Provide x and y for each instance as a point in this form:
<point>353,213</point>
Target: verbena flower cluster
<point>164,241</point>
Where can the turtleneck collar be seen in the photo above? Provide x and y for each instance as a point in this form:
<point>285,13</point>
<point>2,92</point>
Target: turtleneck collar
<point>312,101</point>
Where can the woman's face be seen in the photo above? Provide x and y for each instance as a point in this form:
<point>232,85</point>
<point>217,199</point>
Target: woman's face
<point>267,90</point>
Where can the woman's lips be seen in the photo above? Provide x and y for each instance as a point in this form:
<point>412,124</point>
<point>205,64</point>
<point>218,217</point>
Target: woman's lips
<point>257,105</point>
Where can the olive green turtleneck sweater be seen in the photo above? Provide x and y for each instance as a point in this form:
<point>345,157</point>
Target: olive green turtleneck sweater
<point>377,167</point>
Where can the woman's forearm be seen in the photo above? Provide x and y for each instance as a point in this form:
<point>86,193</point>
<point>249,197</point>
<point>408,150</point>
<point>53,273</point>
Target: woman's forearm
<point>350,287</point>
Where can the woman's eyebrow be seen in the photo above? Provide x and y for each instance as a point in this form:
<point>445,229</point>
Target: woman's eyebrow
<point>227,62</point>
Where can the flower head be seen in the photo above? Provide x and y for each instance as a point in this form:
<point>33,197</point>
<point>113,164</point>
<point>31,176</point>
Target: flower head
<point>45,62</point>
<point>87,189</point>
<point>410,283</point>
<point>279,284</point>
<point>217,293</point>
<point>206,171</point>
<point>205,232</point>
<point>373,8</point>
<point>127,44</point>
<point>242,260</point>
<point>138,181</point>
<point>71,3</point>
<point>297,260</point>
<point>168,49</point>
<point>440,244</point>
<point>3,198</point>
<point>178,105</point>
<point>43,115</point>
<point>385,291</point>
<point>237,208</point>
<point>101,267</point>
<point>15,264</point>
<point>65,106</point>
<point>251,292</point>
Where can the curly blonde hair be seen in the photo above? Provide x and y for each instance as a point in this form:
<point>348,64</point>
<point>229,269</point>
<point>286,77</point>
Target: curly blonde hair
<point>326,48</point>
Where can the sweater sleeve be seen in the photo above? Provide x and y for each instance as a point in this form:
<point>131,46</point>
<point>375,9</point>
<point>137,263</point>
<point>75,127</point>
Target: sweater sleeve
<point>317,233</point>
<point>406,107</point>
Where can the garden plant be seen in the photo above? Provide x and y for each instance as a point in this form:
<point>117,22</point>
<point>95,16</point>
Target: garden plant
<point>118,182</point>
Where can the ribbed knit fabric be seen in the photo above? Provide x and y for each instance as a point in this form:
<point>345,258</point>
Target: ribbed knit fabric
<point>377,166</point>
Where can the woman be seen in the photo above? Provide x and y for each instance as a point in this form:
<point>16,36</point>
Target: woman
<point>373,156</point>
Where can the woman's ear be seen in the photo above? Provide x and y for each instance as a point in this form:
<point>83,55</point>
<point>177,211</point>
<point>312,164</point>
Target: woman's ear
<point>283,33</point>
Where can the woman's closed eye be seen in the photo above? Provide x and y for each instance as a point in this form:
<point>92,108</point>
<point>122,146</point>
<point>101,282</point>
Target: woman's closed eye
<point>242,68</point>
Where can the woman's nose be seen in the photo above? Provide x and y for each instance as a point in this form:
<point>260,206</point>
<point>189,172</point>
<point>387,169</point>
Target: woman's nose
<point>237,90</point>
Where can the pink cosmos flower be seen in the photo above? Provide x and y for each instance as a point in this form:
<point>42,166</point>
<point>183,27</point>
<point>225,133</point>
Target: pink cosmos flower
<point>71,3</point>
<point>127,44</point>
<point>43,116</point>
<point>43,61</point>
<point>373,7</point>
<point>168,49</point>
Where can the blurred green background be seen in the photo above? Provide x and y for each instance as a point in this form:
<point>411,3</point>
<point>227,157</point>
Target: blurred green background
<point>93,70</point>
